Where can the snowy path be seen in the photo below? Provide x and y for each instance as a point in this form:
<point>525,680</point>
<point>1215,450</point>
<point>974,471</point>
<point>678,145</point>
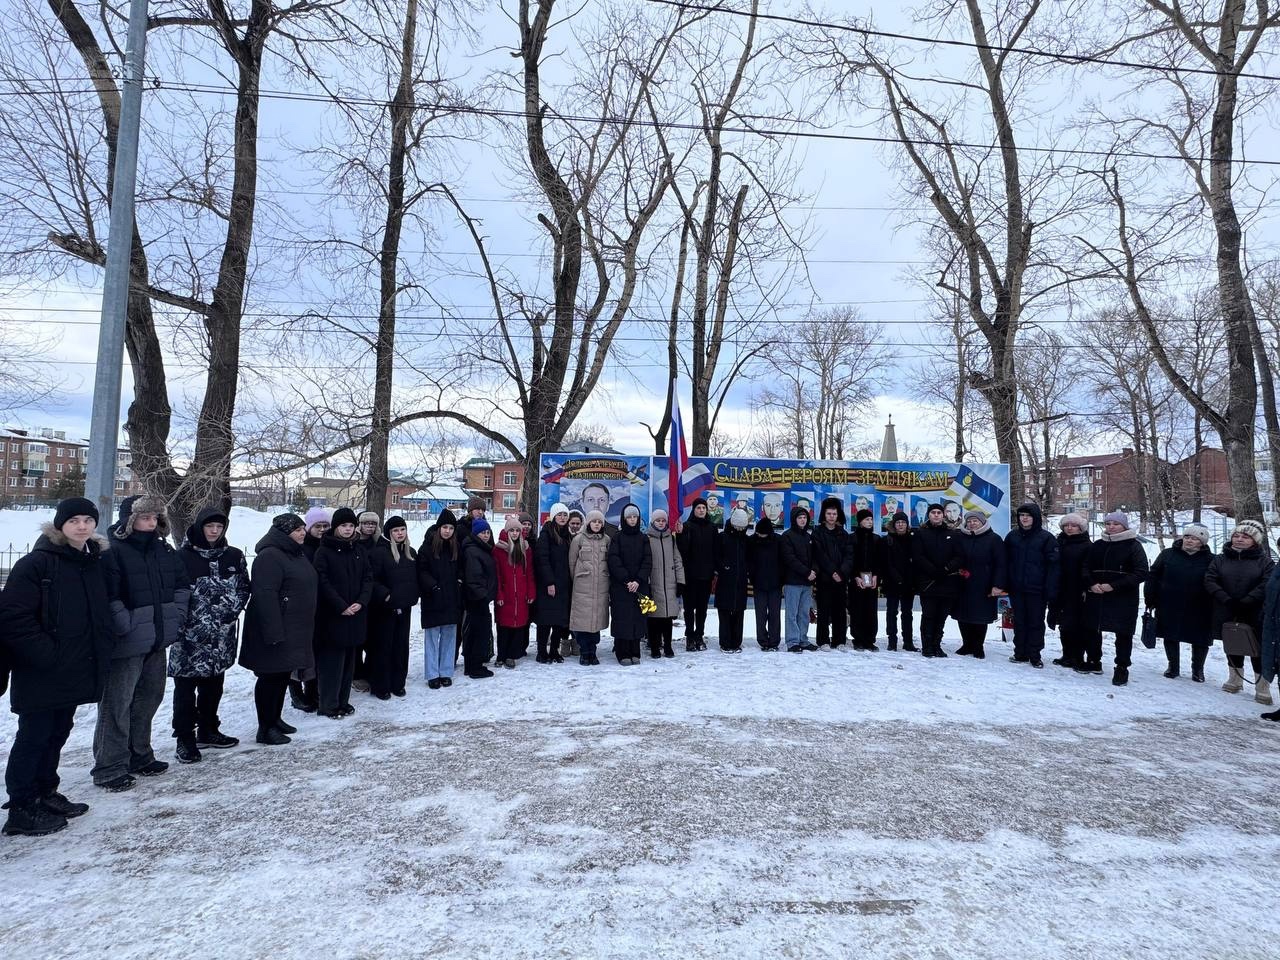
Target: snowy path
<point>823,805</point>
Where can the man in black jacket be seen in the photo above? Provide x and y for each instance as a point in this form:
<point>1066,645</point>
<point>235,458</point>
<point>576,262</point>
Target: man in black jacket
<point>699,549</point>
<point>55,628</point>
<point>899,584</point>
<point>149,593</point>
<point>936,560</point>
<point>1032,563</point>
<point>798,576</point>
<point>832,559</point>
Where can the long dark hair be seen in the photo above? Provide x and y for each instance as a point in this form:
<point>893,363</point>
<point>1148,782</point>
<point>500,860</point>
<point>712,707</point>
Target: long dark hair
<point>437,541</point>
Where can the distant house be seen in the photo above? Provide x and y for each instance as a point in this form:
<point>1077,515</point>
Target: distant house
<point>429,501</point>
<point>33,461</point>
<point>333,492</point>
<point>1095,483</point>
<point>1215,484</point>
<point>497,482</point>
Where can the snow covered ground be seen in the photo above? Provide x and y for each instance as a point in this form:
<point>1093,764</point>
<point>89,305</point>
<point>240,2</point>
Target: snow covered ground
<point>823,805</point>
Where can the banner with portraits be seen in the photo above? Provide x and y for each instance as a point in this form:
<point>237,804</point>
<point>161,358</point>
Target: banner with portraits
<point>773,488</point>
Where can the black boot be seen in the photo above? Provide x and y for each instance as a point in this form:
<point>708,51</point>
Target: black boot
<point>655,651</point>
<point>272,737</point>
<point>32,820</point>
<point>187,751</point>
<point>299,699</point>
<point>285,728</point>
<point>892,643</point>
<point>909,645</point>
<point>1171,651</point>
<point>667,651</point>
<point>1198,655</point>
<point>55,802</point>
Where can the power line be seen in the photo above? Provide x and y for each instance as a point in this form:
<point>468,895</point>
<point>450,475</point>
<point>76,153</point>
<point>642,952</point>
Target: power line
<point>1072,58</point>
<point>623,121</point>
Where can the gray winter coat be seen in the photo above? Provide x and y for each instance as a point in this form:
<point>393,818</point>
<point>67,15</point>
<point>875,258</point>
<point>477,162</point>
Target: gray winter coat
<point>589,566</point>
<point>667,572</point>
<point>149,590</point>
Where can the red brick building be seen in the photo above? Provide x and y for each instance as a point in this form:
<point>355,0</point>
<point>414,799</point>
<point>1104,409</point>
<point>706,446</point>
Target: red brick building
<point>34,461</point>
<point>497,483</point>
<point>1095,483</point>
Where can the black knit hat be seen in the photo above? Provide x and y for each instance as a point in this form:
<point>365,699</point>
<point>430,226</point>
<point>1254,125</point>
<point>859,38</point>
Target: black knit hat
<point>391,524</point>
<point>343,515</point>
<point>446,519</point>
<point>286,523</point>
<point>74,507</point>
<point>864,514</point>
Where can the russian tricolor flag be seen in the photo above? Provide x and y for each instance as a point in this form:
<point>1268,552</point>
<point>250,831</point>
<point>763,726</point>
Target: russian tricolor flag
<point>685,483</point>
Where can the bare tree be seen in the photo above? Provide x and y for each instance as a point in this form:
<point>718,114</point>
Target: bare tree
<point>1047,380</point>
<point>1200,126</point>
<point>1000,257</point>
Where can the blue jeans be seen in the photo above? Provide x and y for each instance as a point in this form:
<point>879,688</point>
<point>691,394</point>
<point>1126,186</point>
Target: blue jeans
<point>437,650</point>
<point>796,600</point>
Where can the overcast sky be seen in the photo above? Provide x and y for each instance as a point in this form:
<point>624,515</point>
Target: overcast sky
<point>863,250</point>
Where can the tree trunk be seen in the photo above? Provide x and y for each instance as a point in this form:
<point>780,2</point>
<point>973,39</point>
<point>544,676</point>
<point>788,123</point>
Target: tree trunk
<point>389,271</point>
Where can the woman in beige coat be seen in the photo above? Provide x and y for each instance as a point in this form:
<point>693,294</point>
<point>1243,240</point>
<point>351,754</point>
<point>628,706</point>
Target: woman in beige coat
<point>666,584</point>
<point>589,567</point>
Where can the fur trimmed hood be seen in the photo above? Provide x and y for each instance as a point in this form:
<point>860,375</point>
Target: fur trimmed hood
<point>59,539</point>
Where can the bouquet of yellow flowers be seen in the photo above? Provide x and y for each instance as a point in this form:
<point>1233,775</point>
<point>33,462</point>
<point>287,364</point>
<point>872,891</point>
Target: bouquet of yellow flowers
<point>647,606</point>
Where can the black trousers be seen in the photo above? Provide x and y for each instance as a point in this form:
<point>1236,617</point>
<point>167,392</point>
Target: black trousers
<point>513,642</point>
<point>387,654</point>
<point>1078,643</point>
<point>895,605</point>
<point>1124,649</point>
<point>335,667</point>
<point>973,635</point>
<point>697,593</point>
<point>768,607</point>
<point>830,599</point>
<point>731,629</point>
<point>626,648</point>
<point>268,698</point>
<point>1028,624</point>
<point>933,618</point>
<point>475,642</point>
<point>549,639</point>
<point>1198,655</point>
<point>32,771</point>
<point>195,704</point>
<point>659,629</point>
<point>864,615</point>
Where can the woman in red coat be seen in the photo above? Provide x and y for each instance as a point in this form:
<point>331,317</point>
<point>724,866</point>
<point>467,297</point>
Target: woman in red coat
<point>516,592</point>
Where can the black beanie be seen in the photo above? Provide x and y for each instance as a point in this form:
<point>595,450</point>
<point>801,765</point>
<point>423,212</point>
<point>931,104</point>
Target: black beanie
<point>343,515</point>
<point>864,514</point>
<point>286,523</point>
<point>391,524</point>
<point>446,519</point>
<point>74,507</point>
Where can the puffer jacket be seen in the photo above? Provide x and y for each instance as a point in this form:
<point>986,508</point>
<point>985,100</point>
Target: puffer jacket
<point>666,577</point>
<point>629,560</point>
<point>764,558</point>
<point>589,564</point>
<point>796,550</point>
<point>279,624</point>
<point>516,589</point>
<point>149,588</point>
<point>479,574</point>
<point>345,578</point>
<point>1067,610</point>
<point>936,560</point>
<point>899,580</point>
<point>206,645</point>
<point>1120,561</point>
<point>1237,581</point>
<point>731,578</point>
<point>1032,558</point>
<point>439,582</point>
<point>55,626</point>
<point>984,564</point>
<point>1175,590</point>
<point>698,542</point>
<point>1271,627</point>
<point>551,568</point>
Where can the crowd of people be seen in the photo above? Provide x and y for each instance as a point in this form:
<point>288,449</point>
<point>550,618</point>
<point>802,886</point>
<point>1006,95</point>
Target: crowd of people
<point>328,607</point>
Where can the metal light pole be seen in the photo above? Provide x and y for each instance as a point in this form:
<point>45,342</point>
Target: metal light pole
<point>100,473</point>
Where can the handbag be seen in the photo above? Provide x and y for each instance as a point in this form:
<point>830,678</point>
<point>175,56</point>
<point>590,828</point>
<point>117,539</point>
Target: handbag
<point>1239,640</point>
<point>1149,635</point>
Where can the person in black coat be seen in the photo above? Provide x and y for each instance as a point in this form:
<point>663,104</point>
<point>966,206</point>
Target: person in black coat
<point>56,637</point>
<point>1183,608</point>
<point>479,591</point>
<point>206,646</point>
<point>832,559</point>
<point>342,617</point>
<point>1237,581</point>
<point>697,541</point>
<point>798,576</point>
<point>439,583</point>
<point>1067,612</point>
<point>395,591</point>
<point>898,584</point>
<point>302,686</point>
<point>551,573</point>
<point>279,623</point>
<point>149,594</point>
<point>866,552</point>
<point>630,565</point>
<point>764,566</point>
<point>936,560</point>
<point>983,580</point>
<point>1032,557</point>
<point>731,581</point>
<point>1115,568</point>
